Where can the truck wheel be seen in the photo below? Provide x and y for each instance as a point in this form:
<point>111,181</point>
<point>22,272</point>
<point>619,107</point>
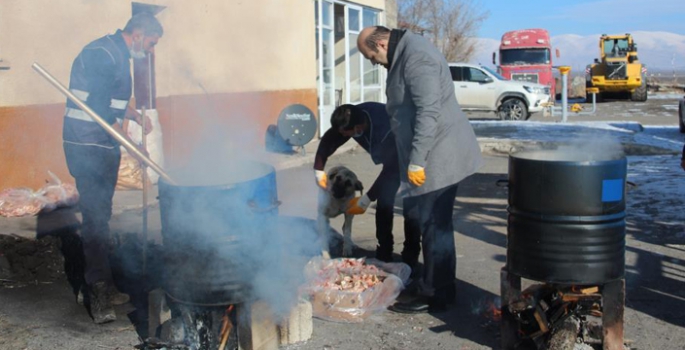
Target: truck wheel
<point>640,94</point>
<point>513,109</point>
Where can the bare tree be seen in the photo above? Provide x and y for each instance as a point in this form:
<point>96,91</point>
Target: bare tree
<point>450,24</point>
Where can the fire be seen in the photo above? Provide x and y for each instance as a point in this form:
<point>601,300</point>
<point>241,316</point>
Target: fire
<point>493,312</point>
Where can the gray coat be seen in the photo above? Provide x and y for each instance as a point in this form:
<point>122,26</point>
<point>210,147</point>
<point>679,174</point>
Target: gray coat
<point>430,128</point>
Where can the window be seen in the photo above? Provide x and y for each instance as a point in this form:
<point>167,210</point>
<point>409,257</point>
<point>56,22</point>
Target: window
<point>456,73</point>
<point>477,75</point>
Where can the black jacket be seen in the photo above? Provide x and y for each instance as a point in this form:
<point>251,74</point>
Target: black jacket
<point>378,141</point>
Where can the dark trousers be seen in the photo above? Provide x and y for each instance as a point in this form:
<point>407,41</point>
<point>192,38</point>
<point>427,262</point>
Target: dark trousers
<point>385,211</point>
<point>435,210</point>
<point>95,170</point>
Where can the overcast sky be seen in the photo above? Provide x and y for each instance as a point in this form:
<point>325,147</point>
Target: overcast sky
<point>583,17</point>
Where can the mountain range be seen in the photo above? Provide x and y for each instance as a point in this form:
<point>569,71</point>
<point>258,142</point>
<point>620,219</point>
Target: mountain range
<point>662,52</point>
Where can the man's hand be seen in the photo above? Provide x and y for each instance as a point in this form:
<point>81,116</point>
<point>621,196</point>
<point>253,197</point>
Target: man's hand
<point>321,178</point>
<point>358,205</point>
<point>132,114</point>
<point>416,175</point>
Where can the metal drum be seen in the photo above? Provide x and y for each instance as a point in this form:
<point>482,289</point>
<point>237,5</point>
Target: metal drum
<point>566,217</point>
<point>209,226</point>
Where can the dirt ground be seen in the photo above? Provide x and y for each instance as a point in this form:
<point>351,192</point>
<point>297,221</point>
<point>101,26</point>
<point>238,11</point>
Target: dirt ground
<point>38,311</point>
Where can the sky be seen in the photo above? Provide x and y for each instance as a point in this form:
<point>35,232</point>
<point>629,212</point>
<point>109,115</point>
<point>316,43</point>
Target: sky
<point>582,17</point>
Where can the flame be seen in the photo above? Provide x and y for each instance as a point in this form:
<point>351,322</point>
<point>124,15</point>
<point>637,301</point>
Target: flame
<point>493,312</point>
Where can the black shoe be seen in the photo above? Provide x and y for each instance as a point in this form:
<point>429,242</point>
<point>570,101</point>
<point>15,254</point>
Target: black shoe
<point>419,305</point>
<point>100,306</point>
<point>384,254</point>
<point>410,258</point>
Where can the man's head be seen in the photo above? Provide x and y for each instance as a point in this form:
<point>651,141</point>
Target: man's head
<point>373,44</point>
<point>141,34</point>
<point>349,120</point>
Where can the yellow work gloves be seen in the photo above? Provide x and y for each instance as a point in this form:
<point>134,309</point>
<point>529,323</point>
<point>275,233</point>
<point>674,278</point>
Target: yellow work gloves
<point>416,175</point>
<point>321,178</point>
<point>358,205</point>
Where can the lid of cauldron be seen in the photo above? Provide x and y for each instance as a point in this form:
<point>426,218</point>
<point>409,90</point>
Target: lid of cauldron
<point>567,156</point>
<point>297,124</point>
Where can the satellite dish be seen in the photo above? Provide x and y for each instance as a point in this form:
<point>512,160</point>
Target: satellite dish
<point>297,125</point>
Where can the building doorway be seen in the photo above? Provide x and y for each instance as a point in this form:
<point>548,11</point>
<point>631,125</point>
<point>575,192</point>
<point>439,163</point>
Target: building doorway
<point>343,75</point>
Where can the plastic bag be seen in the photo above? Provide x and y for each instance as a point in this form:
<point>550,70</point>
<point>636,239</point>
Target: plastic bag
<point>338,292</point>
<point>57,194</point>
<point>130,173</point>
<point>18,202</point>
<point>154,141</point>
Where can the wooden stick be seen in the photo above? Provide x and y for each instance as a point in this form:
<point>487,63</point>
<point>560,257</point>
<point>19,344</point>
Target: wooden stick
<point>226,327</point>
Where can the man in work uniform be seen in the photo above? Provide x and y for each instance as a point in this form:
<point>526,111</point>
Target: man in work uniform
<point>101,77</point>
<point>369,125</point>
<point>437,148</point>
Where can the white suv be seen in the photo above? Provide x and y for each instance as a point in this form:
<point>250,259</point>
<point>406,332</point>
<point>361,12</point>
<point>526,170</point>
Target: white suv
<point>479,88</point>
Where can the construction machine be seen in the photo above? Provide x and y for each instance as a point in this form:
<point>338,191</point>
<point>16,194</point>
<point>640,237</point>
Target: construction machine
<point>618,72</point>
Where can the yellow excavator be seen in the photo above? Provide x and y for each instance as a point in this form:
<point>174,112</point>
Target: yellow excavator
<point>618,73</point>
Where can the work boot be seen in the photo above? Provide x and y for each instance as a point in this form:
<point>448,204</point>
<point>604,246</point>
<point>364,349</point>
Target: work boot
<point>384,254</point>
<point>116,297</point>
<point>100,306</point>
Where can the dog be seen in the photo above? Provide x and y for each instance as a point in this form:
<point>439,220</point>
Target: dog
<point>341,187</point>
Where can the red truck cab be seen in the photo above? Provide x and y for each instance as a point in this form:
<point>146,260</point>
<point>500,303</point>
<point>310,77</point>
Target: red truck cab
<point>525,55</point>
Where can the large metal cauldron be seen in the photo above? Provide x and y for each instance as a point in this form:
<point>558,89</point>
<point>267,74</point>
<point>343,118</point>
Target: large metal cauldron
<point>566,217</point>
<point>210,224</point>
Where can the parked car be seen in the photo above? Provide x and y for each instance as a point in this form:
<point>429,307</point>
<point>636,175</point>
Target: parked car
<point>481,89</point>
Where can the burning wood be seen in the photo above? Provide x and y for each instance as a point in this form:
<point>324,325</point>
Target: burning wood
<point>226,327</point>
<point>555,316</point>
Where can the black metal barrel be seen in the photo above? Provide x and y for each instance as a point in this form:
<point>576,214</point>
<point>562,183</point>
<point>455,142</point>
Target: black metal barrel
<point>566,217</point>
<point>210,225</point>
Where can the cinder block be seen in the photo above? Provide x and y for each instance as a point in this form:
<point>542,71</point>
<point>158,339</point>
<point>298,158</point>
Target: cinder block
<point>298,327</point>
<point>256,327</point>
<point>157,310</point>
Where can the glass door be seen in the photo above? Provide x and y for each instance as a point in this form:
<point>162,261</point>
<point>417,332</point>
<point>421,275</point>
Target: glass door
<point>353,58</point>
<point>324,58</point>
<point>372,89</point>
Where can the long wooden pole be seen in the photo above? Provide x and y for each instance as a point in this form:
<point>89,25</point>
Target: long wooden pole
<point>108,128</point>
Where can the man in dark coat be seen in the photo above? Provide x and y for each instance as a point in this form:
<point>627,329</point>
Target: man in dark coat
<point>369,125</point>
<point>101,77</point>
<point>436,145</point>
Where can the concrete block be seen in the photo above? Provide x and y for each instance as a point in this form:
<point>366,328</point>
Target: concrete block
<point>298,327</point>
<point>158,311</point>
<point>256,327</point>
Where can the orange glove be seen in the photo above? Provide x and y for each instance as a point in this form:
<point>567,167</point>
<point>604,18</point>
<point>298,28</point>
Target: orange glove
<point>358,205</point>
<point>321,178</point>
<point>416,175</point>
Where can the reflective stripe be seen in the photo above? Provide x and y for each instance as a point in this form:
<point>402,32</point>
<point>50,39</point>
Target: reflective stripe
<point>119,104</point>
<point>82,95</point>
<point>78,114</point>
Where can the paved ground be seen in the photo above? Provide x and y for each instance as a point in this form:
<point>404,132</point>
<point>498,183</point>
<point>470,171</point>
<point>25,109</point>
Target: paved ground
<point>43,315</point>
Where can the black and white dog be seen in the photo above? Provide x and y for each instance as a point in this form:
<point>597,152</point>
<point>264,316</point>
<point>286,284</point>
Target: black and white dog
<point>341,187</point>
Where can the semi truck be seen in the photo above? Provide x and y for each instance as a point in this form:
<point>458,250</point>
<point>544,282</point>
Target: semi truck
<point>526,55</point>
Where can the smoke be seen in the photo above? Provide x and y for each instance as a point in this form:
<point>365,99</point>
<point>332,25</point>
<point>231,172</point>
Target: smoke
<point>224,213</point>
<point>590,145</point>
